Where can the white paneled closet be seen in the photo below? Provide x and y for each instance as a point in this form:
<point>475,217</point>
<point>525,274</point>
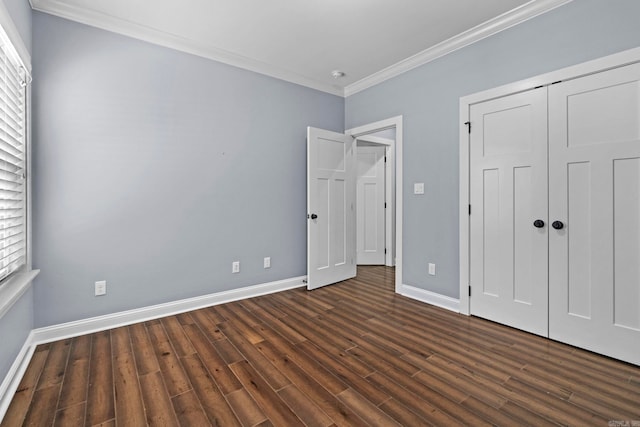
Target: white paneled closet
<point>554,225</point>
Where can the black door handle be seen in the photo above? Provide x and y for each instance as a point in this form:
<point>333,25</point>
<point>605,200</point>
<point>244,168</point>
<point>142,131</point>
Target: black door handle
<point>314,216</point>
<point>538,223</point>
<point>558,225</point>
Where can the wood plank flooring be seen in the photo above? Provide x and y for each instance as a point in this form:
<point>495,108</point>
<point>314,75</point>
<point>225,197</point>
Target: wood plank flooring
<point>354,353</point>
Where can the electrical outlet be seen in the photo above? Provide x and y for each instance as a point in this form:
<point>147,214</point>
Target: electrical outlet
<point>418,188</point>
<point>267,262</point>
<point>101,288</point>
<point>432,269</point>
<point>235,267</point>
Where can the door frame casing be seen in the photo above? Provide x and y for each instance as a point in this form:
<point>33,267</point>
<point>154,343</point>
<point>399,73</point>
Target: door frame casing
<point>616,60</point>
<point>396,152</point>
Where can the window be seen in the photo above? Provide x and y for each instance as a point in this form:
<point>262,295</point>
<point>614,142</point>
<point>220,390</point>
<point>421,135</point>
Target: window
<point>13,115</point>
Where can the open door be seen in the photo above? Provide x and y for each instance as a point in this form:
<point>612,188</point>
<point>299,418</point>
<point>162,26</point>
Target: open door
<point>331,210</point>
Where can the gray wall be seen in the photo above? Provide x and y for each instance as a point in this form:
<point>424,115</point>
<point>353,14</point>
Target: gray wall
<point>20,11</point>
<point>428,98</point>
<point>155,169</point>
<point>16,324</point>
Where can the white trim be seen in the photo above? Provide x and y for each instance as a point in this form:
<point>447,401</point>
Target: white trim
<point>394,122</point>
<point>172,41</point>
<point>375,140</point>
<point>14,376</point>
<point>123,318</point>
<point>28,180</point>
<point>493,26</point>
<point>390,194</point>
<point>14,288</point>
<point>608,62</point>
<point>615,60</point>
<point>109,23</point>
<point>464,204</point>
<point>38,336</point>
<point>389,187</point>
<point>428,297</point>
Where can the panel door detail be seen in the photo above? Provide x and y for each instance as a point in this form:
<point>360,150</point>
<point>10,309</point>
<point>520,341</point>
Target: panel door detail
<point>370,206</point>
<point>331,198</point>
<point>594,259</point>
<point>508,193</point>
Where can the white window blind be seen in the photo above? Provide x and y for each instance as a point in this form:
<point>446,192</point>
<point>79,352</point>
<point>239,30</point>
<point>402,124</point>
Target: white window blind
<point>13,240</point>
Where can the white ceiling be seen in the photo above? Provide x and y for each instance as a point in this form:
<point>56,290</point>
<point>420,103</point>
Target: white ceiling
<point>302,41</point>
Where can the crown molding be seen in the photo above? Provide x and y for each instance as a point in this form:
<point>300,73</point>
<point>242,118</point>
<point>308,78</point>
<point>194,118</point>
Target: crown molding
<point>493,26</point>
<point>172,41</point>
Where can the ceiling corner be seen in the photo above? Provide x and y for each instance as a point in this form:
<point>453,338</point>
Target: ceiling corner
<point>161,38</point>
<point>493,26</point>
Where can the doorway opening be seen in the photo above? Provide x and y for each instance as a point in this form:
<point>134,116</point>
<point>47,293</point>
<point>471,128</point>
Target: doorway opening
<point>331,202</point>
<point>374,199</point>
<point>388,134</point>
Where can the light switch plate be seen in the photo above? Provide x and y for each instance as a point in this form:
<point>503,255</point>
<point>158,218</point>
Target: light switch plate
<point>418,188</point>
<point>101,288</point>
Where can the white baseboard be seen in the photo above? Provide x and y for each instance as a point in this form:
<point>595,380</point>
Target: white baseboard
<point>14,376</point>
<point>100,323</point>
<point>11,381</point>
<point>115,320</point>
<point>428,297</point>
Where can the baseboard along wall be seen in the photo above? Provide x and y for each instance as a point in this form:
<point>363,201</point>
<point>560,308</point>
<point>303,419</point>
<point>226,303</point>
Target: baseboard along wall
<point>76,328</point>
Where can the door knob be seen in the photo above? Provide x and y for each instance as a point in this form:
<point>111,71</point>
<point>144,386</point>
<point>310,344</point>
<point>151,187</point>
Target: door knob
<point>558,225</point>
<point>538,223</point>
<point>314,216</point>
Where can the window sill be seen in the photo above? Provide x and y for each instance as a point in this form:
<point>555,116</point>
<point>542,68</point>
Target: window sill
<point>14,288</point>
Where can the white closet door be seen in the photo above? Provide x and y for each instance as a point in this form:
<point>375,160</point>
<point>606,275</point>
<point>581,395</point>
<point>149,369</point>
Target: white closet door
<point>370,206</point>
<point>594,170</point>
<point>508,183</point>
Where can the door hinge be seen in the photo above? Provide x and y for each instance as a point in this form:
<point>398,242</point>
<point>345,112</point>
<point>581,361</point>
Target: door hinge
<point>385,205</point>
<point>469,290</point>
<point>385,159</point>
<point>469,210</point>
<point>468,126</point>
<point>385,251</point>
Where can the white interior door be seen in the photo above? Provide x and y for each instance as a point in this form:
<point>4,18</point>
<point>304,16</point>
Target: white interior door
<point>594,143</point>
<point>331,199</point>
<point>508,192</point>
<point>370,206</point>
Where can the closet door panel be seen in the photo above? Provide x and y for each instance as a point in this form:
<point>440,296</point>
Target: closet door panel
<point>508,182</point>
<point>626,238</point>
<point>594,176</point>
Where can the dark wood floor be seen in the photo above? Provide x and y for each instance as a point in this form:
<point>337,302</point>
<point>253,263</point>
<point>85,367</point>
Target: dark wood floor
<point>353,353</point>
